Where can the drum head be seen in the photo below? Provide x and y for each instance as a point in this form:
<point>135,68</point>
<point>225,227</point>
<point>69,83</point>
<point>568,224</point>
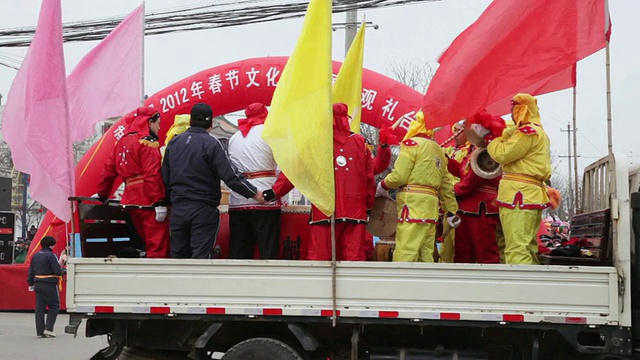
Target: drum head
<point>384,217</point>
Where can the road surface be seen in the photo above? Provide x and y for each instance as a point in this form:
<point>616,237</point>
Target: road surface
<point>18,340</point>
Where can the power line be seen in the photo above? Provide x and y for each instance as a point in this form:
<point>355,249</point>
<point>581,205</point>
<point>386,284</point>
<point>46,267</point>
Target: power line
<point>9,66</point>
<point>225,13</point>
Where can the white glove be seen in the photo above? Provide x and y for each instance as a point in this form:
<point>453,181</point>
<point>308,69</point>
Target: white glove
<point>31,288</point>
<point>480,130</point>
<point>161,213</point>
<point>454,221</point>
<point>380,191</point>
<point>95,196</point>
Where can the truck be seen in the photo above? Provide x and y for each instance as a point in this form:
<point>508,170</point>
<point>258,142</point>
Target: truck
<point>567,308</point>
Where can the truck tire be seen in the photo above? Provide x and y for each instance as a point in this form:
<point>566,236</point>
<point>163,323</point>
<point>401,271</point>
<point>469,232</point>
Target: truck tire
<point>143,354</point>
<point>262,349</point>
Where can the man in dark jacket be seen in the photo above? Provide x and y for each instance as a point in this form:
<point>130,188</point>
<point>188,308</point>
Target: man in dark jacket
<point>45,277</point>
<point>194,163</point>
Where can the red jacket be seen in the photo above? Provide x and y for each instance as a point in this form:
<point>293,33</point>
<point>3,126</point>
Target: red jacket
<point>382,160</point>
<point>136,159</point>
<point>355,187</point>
<point>473,192</point>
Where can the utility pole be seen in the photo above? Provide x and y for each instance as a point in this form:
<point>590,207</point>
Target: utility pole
<point>568,156</point>
<point>350,29</point>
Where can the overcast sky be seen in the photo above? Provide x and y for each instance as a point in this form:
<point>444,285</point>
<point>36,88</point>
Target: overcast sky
<point>414,33</point>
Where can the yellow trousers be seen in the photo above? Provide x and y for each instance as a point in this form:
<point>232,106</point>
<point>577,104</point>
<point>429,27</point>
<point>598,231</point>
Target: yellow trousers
<point>448,245</point>
<point>414,242</point>
<point>520,227</point>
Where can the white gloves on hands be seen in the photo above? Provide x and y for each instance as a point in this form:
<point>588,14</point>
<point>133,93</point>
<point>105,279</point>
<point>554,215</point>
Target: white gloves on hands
<point>380,191</point>
<point>454,221</point>
<point>161,213</point>
<point>480,130</point>
<point>31,288</point>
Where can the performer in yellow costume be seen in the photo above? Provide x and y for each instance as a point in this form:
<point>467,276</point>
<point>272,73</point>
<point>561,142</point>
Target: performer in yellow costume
<point>458,152</point>
<point>524,153</point>
<point>421,176</point>
<point>180,125</point>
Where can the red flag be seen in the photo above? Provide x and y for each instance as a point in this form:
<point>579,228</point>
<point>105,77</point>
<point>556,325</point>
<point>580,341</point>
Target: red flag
<point>513,46</point>
<point>563,80</point>
<point>108,80</point>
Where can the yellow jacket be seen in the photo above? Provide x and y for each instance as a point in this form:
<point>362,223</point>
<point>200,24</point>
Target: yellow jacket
<point>458,154</point>
<point>421,175</point>
<point>525,156</point>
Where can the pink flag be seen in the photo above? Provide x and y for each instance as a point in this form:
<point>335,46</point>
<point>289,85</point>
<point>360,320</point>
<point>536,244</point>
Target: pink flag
<point>36,118</point>
<point>107,82</point>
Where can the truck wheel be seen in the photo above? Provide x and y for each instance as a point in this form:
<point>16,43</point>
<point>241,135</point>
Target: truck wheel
<point>261,349</point>
<point>143,354</point>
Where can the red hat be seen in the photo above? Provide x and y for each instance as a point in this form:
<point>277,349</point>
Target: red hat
<point>137,120</point>
<point>256,114</point>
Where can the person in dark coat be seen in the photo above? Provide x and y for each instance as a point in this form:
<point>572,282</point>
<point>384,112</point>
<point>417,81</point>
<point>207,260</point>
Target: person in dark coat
<point>194,163</point>
<point>45,278</point>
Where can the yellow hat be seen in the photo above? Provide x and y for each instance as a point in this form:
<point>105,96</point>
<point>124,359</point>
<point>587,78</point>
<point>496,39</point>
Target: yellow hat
<point>418,127</point>
<point>525,110</point>
<point>180,125</point>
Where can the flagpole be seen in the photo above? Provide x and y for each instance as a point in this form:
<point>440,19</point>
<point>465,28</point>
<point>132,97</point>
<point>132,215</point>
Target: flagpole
<point>576,201</point>
<point>334,317</point>
<point>609,120</point>
<point>143,33</point>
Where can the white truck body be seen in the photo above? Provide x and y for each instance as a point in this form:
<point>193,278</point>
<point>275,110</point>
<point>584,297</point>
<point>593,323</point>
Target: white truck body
<point>589,295</point>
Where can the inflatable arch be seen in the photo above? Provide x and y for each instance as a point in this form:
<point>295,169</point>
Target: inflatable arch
<point>227,88</point>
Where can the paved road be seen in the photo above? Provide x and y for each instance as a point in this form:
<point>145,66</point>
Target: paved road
<point>18,340</point>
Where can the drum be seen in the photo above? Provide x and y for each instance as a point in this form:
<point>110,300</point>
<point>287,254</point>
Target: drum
<point>384,217</point>
<point>384,250</point>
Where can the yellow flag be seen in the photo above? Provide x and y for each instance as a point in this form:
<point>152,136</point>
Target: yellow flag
<point>348,86</point>
<point>299,128</point>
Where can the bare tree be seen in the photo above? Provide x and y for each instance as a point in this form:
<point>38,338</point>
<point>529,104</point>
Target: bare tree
<point>415,74</point>
<point>561,183</point>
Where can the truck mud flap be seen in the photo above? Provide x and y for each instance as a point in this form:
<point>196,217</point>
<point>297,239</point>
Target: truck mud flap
<point>200,348</point>
<point>74,323</point>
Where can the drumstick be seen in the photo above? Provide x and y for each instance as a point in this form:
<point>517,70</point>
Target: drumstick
<point>396,124</point>
<point>455,135</point>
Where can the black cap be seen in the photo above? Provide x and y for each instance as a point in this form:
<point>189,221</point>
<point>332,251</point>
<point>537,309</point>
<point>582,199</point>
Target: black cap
<point>48,241</point>
<point>201,111</point>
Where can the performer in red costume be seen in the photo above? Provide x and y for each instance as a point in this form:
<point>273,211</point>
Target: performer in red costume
<point>136,158</point>
<point>355,190</point>
<point>381,162</point>
<point>476,236</point>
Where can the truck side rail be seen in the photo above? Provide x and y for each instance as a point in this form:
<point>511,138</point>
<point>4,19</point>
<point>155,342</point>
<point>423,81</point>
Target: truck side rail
<point>606,185</point>
<point>553,294</point>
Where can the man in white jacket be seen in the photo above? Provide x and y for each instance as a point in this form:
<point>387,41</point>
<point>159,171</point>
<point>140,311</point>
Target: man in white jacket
<point>250,222</point>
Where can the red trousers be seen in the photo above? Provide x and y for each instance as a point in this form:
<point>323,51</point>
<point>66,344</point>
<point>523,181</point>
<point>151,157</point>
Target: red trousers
<point>349,242</point>
<point>155,234</point>
<point>369,247</point>
<point>476,240</point>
